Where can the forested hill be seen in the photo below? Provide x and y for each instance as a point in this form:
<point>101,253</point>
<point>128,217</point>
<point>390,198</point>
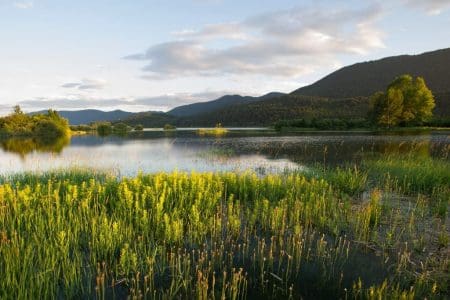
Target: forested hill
<point>342,94</point>
<point>222,102</point>
<point>366,78</point>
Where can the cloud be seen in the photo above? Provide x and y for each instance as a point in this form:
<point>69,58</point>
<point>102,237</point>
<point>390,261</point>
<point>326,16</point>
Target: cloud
<point>71,103</point>
<point>86,84</point>
<point>432,7</point>
<point>284,43</point>
<point>158,103</point>
<point>23,4</point>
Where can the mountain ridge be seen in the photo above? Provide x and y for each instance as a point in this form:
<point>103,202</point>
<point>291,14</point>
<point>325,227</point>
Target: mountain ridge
<point>219,103</point>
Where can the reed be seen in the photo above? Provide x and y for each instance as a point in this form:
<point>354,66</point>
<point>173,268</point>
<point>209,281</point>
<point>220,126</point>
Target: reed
<point>80,234</point>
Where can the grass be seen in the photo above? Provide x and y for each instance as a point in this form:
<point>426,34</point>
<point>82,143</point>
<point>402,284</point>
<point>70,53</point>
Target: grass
<point>216,131</point>
<point>411,174</point>
<point>81,234</point>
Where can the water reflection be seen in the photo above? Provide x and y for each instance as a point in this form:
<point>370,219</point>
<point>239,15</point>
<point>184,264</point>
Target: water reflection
<point>24,146</point>
<point>261,151</point>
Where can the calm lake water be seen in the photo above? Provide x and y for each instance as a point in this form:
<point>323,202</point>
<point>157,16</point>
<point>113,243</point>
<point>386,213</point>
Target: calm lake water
<point>259,150</point>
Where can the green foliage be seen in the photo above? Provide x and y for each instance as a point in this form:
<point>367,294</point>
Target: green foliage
<point>78,234</point>
<point>49,125</point>
<point>139,127</point>
<point>169,127</point>
<point>323,123</point>
<point>104,128</point>
<point>82,127</point>
<point>411,173</point>
<point>25,145</point>
<point>349,180</point>
<point>407,101</point>
<point>121,128</point>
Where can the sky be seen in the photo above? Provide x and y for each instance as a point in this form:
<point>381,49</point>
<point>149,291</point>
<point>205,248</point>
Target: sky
<point>141,55</point>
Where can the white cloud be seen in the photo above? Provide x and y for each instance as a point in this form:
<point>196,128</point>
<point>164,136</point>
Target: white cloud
<point>432,7</point>
<point>86,84</point>
<point>284,43</point>
<point>157,103</point>
<point>23,4</point>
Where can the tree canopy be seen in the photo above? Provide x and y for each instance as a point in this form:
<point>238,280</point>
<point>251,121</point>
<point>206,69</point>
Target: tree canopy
<point>406,101</point>
<point>50,125</point>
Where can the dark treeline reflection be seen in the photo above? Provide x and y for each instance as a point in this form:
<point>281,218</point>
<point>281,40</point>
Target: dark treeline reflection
<point>24,146</point>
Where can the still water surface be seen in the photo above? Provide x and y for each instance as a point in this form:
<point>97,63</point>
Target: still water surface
<point>259,150</point>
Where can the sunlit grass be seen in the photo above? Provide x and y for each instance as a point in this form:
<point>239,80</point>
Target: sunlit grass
<point>216,131</point>
<point>411,173</point>
<point>80,234</point>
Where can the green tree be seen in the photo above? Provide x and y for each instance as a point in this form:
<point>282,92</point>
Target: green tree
<point>406,101</point>
<point>17,110</point>
<point>104,129</point>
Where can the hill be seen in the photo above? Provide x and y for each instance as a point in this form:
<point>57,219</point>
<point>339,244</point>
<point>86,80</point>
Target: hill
<point>364,79</point>
<point>214,105</point>
<point>342,94</point>
<point>151,119</point>
<point>267,112</point>
<point>86,116</point>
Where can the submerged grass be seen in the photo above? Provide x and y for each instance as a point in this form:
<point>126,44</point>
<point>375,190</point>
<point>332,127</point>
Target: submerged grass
<point>76,234</point>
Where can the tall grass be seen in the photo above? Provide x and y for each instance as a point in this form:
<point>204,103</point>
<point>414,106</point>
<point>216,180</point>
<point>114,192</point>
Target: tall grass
<point>411,174</point>
<point>208,235</point>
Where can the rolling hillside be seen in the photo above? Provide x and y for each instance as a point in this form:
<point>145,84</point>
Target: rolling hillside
<point>267,112</point>
<point>222,102</point>
<point>342,94</point>
<point>364,79</point>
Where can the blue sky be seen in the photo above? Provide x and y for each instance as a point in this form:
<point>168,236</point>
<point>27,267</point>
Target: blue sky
<point>154,55</point>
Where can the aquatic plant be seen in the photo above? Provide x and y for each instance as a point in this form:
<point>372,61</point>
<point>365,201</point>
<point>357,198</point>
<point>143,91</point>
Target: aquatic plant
<point>78,234</point>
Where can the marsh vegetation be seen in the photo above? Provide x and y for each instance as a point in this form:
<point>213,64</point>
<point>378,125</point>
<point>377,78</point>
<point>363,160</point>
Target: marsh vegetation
<point>376,230</point>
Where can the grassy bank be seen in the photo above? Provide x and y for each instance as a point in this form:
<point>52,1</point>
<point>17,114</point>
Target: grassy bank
<point>342,233</point>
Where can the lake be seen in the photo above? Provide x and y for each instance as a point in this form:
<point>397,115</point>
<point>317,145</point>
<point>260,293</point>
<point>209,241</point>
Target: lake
<point>256,149</point>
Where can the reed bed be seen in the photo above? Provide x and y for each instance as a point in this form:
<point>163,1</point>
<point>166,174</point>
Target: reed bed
<point>80,234</point>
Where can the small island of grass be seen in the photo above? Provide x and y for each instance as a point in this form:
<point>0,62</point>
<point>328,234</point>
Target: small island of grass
<point>169,127</point>
<point>216,131</point>
<point>139,127</point>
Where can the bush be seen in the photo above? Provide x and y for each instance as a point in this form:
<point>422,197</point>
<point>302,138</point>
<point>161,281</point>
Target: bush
<point>121,128</point>
<point>104,129</point>
<point>139,127</point>
<point>81,127</point>
<point>50,125</point>
<point>169,127</point>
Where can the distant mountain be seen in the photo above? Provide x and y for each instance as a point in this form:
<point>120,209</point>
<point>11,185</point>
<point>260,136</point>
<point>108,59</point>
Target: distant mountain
<point>364,79</point>
<point>222,102</point>
<point>87,116</point>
